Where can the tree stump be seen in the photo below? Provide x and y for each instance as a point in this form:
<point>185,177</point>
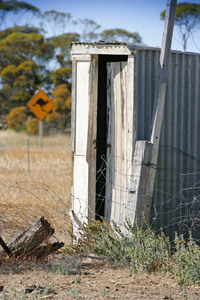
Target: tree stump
<point>32,237</point>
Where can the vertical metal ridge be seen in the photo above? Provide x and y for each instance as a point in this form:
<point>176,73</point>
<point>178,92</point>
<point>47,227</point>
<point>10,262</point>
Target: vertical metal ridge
<point>180,136</point>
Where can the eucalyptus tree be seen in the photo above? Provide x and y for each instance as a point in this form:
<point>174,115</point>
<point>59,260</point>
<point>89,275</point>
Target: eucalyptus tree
<point>121,35</point>
<point>88,29</point>
<point>17,9</point>
<point>187,19</point>
<point>24,59</point>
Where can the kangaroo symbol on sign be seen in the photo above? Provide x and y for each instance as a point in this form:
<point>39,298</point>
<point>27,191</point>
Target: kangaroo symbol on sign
<point>41,103</point>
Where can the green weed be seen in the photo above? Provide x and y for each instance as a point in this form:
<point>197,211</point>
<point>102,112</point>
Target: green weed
<point>141,250</point>
<point>187,261</point>
<point>78,279</point>
<point>59,270</point>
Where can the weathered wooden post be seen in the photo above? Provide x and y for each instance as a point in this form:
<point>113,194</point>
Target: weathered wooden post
<point>146,152</point>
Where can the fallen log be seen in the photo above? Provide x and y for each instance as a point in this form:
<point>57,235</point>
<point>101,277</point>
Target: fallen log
<point>42,251</point>
<point>31,238</point>
<point>4,246</point>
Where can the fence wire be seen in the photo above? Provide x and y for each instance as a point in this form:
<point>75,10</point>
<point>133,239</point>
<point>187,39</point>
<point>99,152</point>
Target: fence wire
<point>175,204</point>
<point>25,201</point>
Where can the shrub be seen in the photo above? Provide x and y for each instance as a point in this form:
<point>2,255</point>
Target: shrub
<point>102,239</point>
<point>141,250</point>
<point>149,251</point>
<point>187,261</point>
<point>17,117</point>
<point>32,127</point>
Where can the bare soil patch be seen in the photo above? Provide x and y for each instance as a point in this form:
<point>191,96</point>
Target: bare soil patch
<point>85,278</point>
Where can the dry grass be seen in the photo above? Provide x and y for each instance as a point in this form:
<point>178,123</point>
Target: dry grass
<point>34,184</point>
<point>12,138</point>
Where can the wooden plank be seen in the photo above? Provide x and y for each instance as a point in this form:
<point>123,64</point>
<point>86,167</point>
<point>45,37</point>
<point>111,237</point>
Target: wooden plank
<point>80,188</point>
<point>110,141</point>
<point>130,129</point>
<point>108,190</point>
<point>92,133</point>
<point>84,132</point>
<point>117,154</point>
<point>80,79</point>
<point>164,63</point>
<point>120,139</point>
<point>81,57</point>
<point>82,106</point>
<point>139,201</point>
<point>92,108</point>
<point>73,108</point>
<point>127,85</point>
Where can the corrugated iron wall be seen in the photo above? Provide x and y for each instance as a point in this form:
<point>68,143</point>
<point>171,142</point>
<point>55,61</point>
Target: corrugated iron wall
<point>176,199</point>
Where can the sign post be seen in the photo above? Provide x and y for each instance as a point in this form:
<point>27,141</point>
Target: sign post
<point>40,105</point>
<point>41,133</point>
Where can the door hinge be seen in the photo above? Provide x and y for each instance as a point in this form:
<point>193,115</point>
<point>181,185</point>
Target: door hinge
<point>108,146</point>
<point>95,143</point>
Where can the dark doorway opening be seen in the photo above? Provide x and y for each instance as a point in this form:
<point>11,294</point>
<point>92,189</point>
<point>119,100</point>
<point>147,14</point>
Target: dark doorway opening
<point>102,131</point>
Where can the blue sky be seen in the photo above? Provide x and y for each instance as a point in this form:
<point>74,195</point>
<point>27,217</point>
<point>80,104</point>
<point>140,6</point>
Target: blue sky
<point>142,16</point>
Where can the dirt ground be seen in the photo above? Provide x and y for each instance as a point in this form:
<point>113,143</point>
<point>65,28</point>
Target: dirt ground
<point>76,277</point>
<point>60,277</point>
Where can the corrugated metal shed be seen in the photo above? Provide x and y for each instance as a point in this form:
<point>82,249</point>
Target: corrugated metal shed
<point>176,201</point>
<point>176,198</point>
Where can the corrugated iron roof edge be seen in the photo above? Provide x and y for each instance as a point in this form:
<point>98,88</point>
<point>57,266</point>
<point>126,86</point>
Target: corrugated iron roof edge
<point>130,46</point>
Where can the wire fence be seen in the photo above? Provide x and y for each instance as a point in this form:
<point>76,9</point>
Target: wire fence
<point>25,201</point>
<point>175,204</point>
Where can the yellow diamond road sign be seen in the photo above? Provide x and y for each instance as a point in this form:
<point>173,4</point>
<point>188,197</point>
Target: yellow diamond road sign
<point>40,105</point>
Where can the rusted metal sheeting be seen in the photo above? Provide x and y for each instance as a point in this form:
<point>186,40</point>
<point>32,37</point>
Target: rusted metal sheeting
<point>176,199</point>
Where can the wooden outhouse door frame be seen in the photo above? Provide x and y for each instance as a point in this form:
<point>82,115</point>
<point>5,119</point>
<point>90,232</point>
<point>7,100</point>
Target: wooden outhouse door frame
<point>84,99</point>
<point>89,83</point>
<point>102,143</point>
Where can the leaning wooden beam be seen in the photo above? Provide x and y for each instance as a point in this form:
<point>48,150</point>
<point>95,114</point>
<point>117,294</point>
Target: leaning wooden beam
<point>138,206</point>
<point>31,238</point>
<point>146,153</point>
<point>164,67</point>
